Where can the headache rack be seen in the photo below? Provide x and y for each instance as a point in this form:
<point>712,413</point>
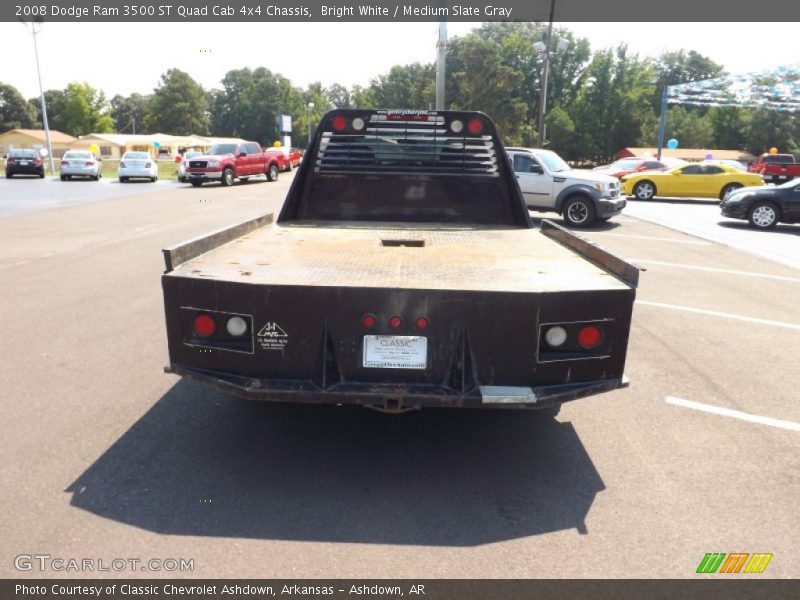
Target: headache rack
<point>424,143</point>
<point>406,165</point>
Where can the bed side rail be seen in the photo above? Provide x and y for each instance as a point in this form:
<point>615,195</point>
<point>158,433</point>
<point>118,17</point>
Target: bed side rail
<point>592,252</point>
<point>180,253</point>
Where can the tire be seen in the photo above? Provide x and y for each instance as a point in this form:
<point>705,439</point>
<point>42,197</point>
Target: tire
<point>579,212</point>
<point>244,179</point>
<point>764,215</point>
<point>196,183</point>
<point>153,179</point>
<point>272,172</point>
<point>728,189</point>
<point>288,166</point>
<point>41,175</point>
<point>644,190</point>
<point>227,177</point>
<point>123,180</point>
<point>9,175</point>
<point>63,178</point>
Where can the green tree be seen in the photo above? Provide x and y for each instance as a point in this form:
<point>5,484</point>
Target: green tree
<point>179,106</point>
<point>84,110</point>
<point>129,110</point>
<point>55,101</point>
<point>15,112</point>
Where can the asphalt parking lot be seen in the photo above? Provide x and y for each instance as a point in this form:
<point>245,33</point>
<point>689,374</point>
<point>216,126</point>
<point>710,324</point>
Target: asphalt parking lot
<point>111,458</point>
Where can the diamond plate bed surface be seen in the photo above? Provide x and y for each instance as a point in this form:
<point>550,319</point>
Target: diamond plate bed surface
<point>484,259</point>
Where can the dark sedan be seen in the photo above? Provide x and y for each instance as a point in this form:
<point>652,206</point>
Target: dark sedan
<point>24,162</point>
<point>765,206</point>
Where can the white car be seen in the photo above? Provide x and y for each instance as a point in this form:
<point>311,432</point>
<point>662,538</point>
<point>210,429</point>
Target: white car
<point>137,165</point>
<point>79,163</point>
<point>184,163</point>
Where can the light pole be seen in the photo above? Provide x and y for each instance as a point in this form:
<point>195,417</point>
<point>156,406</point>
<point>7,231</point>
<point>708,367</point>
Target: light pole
<point>545,49</point>
<point>309,108</point>
<point>36,26</point>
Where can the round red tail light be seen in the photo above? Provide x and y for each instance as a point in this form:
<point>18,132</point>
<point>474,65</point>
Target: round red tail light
<point>204,325</point>
<point>422,323</point>
<point>368,321</point>
<point>590,337</point>
<point>475,126</point>
<point>338,123</point>
<point>395,322</point>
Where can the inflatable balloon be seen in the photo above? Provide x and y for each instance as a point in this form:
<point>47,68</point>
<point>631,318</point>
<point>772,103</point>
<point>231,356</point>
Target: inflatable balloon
<point>709,155</point>
<point>276,144</point>
<point>672,144</point>
<point>156,144</point>
<point>94,148</point>
<point>773,150</point>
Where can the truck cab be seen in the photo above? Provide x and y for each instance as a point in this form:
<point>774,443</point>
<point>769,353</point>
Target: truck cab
<point>548,183</point>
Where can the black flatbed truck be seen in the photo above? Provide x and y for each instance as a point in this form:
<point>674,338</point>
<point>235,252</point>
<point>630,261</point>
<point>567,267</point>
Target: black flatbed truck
<point>404,271</point>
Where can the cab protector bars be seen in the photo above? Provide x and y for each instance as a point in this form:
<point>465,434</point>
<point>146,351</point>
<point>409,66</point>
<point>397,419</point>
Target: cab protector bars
<point>593,253</point>
<point>180,253</point>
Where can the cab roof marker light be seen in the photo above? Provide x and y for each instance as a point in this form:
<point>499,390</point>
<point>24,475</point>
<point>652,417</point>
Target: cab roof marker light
<point>338,123</point>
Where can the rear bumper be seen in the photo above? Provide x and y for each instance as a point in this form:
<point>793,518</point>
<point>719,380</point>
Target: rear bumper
<point>397,398</point>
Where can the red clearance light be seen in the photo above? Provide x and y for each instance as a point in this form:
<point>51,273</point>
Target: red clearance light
<point>395,322</point>
<point>89,163</point>
<point>204,325</point>
<point>10,161</point>
<point>148,165</point>
<point>590,337</point>
<point>368,321</point>
<point>122,164</point>
<point>64,163</point>
<point>422,323</point>
<point>338,123</point>
<point>475,126</point>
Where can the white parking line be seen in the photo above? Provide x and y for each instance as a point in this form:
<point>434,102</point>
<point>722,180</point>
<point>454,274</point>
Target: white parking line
<point>650,237</point>
<point>735,414</point>
<point>715,270</point>
<point>715,313</point>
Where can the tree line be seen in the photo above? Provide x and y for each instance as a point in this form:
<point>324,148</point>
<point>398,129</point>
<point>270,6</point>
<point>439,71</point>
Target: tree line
<point>597,102</point>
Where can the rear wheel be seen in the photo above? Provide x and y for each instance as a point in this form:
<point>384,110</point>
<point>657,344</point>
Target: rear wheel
<point>9,175</point>
<point>764,215</point>
<point>63,178</point>
<point>288,165</point>
<point>579,212</point>
<point>728,189</point>
<point>272,172</point>
<point>41,175</point>
<point>227,177</point>
<point>644,190</point>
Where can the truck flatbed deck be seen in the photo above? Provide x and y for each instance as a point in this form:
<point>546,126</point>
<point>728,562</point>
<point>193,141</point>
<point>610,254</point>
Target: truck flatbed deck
<point>404,271</point>
<point>440,258</point>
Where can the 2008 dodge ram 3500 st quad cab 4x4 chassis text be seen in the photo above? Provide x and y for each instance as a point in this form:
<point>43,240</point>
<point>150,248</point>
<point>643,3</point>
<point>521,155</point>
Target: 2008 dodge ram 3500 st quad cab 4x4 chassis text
<point>403,271</point>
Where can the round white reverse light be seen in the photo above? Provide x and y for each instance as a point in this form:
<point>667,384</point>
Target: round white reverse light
<point>456,126</point>
<point>555,336</point>
<point>358,123</point>
<point>236,326</point>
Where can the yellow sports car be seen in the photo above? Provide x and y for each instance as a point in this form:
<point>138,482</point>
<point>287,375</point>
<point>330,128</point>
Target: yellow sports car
<point>697,180</point>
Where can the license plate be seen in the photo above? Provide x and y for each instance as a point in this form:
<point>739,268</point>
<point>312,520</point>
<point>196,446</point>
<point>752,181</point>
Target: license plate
<point>395,352</point>
<point>23,162</point>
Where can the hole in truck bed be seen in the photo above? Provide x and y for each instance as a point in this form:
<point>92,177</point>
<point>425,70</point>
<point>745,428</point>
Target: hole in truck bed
<point>408,243</point>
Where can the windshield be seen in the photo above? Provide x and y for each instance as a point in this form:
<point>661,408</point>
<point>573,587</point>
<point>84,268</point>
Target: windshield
<point>553,162</point>
<point>78,155</point>
<point>631,163</point>
<point>191,155</point>
<point>135,155</point>
<point>23,153</point>
<point>222,149</point>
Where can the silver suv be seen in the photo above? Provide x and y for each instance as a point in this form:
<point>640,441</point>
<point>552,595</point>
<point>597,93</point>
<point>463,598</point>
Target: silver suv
<point>549,184</point>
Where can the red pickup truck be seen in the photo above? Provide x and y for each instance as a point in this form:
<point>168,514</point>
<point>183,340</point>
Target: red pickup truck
<point>230,161</point>
<point>776,168</point>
